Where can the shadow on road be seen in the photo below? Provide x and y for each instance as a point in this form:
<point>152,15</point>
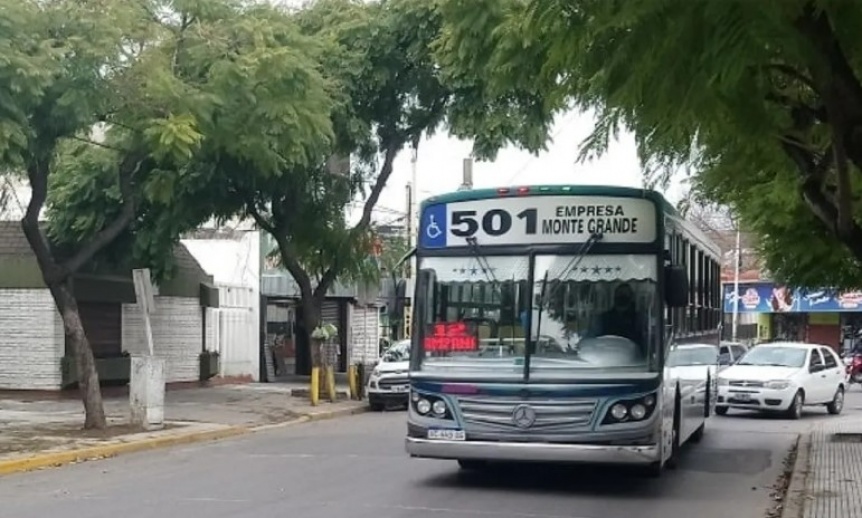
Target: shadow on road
<point>551,478</point>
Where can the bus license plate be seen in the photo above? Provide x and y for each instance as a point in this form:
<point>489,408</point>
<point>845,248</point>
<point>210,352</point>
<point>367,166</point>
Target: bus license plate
<point>447,435</point>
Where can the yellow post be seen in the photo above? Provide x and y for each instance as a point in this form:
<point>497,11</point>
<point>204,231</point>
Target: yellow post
<point>315,385</point>
<point>351,381</point>
<point>330,382</point>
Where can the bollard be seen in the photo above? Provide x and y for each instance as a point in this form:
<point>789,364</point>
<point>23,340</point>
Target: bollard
<point>315,386</point>
<point>330,383</point>
<point>351,381</point>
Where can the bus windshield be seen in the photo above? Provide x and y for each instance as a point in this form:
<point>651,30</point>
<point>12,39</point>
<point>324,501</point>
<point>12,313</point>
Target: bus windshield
<point>597,313</point>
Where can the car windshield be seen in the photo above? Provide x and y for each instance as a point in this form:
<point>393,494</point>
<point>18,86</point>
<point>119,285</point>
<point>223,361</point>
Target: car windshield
<point>697,355</point>
<point>598,312</point>
<point>399,352</point>
<point>776,356</point>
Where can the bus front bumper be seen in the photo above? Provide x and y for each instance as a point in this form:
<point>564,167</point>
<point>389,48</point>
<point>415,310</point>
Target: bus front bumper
<point>533,451</point>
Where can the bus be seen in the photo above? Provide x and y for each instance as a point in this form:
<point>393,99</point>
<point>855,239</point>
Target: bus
<point>543,321</point>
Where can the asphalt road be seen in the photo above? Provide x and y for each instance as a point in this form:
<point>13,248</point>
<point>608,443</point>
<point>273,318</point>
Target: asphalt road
<point>356,467</point>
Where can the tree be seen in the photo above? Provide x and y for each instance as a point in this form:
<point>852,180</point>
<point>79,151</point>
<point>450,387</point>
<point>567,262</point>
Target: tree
<point>762,100</point>
<point>63,63</point>
<point>117,112</point>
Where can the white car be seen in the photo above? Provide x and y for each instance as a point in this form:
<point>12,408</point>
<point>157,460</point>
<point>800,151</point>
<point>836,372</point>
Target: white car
<point>783,377</point>
<point>388,383</point>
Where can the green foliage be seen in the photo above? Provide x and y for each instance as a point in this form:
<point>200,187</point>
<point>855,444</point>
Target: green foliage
<point>225,90</point>
<point>721,88</point>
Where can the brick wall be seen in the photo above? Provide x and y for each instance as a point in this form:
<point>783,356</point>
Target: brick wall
<point>177,335</point>
<point>31,340</point>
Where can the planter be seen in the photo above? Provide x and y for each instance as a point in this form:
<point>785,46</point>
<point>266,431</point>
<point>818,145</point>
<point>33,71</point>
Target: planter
<point>209,362</point>
<point>113,370</point>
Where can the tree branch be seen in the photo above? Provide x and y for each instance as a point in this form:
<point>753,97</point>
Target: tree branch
<point>37,174</point>
<point>793,73</point>
<point>128,169</point>
<point>385,172</point>
<point>288,254</point>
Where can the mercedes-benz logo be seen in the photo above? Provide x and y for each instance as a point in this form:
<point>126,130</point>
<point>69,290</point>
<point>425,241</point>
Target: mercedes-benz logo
<point>524,416</point>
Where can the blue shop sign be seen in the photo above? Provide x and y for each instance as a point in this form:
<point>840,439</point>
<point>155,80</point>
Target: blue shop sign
<point>767,297</point>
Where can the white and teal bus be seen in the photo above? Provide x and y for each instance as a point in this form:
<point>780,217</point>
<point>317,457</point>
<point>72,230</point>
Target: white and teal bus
<point>544,318</point>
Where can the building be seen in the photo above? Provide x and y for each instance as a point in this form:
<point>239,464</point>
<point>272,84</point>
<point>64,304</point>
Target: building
<point>823,316</point>
<point>34,354</point>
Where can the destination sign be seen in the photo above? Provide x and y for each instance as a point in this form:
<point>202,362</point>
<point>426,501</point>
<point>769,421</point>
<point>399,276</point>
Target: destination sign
<point>538,220</point>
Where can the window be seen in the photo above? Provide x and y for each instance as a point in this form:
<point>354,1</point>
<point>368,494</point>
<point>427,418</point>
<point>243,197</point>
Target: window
<point>816,360</point>
<point>738,351</point>
<point>829,358</point>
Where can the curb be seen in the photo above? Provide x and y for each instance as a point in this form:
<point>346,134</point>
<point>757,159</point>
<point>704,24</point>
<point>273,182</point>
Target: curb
<point>794,499</point>
<point>62,458</point>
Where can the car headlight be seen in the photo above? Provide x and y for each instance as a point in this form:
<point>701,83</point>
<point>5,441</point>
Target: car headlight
<point>375,373</point>
<point>777,384</point>
<point>723,382</point>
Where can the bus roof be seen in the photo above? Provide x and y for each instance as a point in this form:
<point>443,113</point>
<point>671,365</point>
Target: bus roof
<point>540,190</point>
<point>582,190</point>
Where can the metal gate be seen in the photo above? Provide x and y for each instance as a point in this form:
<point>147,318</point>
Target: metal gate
<point>235,330</point>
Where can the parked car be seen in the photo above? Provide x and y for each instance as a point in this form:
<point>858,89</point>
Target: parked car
<point>783,377</point>
<point>730,353</point>
<point>388,384</point>
<point>687,364</point>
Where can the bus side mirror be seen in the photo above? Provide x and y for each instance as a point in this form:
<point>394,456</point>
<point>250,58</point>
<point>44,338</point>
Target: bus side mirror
<point>675,286</point>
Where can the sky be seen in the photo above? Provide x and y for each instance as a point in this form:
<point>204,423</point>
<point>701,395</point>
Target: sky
<point>440,158</point>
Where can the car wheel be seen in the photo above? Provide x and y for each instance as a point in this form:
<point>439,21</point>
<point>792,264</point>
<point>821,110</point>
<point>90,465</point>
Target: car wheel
<point>837,404</point>
<point>795,409</point>
<point>721,410</point>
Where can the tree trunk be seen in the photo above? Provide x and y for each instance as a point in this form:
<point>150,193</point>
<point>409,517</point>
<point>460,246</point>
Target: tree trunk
<point>311,310</point>
<point>85,362</point>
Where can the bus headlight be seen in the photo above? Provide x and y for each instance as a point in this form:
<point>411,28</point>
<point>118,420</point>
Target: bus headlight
<point>631,410</point>
<point>619,411</point>
<point>429,405</point>
<point>423,406</point>
<point>638,412</point>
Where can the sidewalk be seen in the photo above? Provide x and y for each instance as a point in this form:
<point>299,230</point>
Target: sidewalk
<point>828,473</point>
<point>36,432</point>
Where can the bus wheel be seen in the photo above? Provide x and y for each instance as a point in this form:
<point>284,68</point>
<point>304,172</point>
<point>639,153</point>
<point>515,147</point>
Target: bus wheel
<point>471,464</point>
<point>672,461</point>
<point>697,436</point>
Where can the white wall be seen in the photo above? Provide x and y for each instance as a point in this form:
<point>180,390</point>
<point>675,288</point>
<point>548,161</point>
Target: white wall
<point>32,341</point>
<point>234,329</point>
<point>177,324</point>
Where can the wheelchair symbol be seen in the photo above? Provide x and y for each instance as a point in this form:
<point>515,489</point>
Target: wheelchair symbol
<point>433,230</point>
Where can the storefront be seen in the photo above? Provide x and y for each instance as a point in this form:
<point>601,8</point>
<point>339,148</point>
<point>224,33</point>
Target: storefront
<point>828,317</point>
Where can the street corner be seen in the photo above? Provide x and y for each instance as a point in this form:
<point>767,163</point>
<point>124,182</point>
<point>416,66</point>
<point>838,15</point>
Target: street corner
<point>322,411</point>
<point>56,448</point>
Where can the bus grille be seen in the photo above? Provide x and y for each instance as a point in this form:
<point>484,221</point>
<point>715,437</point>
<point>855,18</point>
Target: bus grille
<point>551,414</point>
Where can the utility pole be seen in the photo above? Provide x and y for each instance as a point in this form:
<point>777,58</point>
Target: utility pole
<point>467,175</point>
<point>736,261</point>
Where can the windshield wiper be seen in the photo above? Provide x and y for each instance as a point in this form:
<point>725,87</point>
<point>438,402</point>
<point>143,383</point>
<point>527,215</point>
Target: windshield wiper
<point>574,263</point>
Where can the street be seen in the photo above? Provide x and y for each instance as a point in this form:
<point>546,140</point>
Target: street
<point>356,466</point>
